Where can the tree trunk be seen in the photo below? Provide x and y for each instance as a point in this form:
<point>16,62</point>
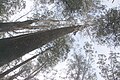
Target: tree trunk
<point>15,47</point>
<point>17,66</point>
<point>9,26</point>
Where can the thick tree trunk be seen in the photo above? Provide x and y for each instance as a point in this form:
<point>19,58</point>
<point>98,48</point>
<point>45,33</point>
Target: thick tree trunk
<point>15,47</point>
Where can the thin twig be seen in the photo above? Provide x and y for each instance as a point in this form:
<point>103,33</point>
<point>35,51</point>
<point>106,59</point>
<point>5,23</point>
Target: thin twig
<point>24,15</point>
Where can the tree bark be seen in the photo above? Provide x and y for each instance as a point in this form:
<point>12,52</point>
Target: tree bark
<point>15,47</point>
<point>17,66</point>
<point>9,26</point>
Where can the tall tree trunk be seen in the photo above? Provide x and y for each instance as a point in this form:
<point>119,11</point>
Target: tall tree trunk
<point>9,26</point>
<point>17,66</point>
<point>15,47</point>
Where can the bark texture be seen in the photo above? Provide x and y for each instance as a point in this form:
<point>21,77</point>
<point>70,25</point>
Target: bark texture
<point>17,66</point>
<point>15,47</point>
<point>9,26</point>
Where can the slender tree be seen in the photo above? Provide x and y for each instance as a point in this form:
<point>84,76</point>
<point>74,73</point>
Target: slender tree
<point>15,47</point>
<point>17,66</point>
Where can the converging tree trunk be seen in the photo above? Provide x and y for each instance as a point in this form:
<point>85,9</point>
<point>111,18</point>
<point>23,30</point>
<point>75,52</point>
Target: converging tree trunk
<point>10,26</point>
<point>15,47</point>
<point>17,66</point>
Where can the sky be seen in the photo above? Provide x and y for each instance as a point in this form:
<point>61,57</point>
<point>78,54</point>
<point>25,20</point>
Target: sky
<point>78,38</point>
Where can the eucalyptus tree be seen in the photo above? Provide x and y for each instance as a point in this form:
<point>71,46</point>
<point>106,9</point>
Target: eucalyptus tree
<point>20,45</point>
<point>46,60</point>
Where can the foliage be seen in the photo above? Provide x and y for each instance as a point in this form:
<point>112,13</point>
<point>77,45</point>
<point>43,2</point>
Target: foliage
<point>107,27</point>
<point>57,53</point>
<point>10,7</point>
<point>68,10</point>
<point>79,5</point>
<point>80,67</point>
<point>77,67</point>
<point>110,67</point>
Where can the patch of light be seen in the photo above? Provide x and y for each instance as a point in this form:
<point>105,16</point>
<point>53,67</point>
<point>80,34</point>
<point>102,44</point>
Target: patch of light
<point>111,3</point>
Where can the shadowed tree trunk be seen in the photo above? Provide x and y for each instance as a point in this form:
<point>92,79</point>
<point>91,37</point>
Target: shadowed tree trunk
<point>15,47</point>
<point>9,26</point>
<point>17,66</point>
